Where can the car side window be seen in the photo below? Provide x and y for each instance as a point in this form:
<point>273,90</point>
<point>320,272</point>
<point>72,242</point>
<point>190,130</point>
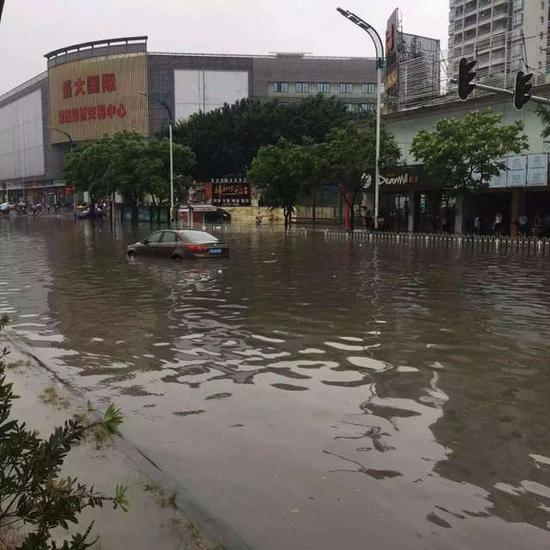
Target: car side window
<point>155,237</point>
<point>168,237</point>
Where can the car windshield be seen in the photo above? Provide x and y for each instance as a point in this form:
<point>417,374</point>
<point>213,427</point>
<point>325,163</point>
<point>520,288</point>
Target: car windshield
<point>197,237</point>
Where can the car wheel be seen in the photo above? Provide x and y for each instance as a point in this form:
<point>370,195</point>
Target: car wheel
<point>177,257</point>
<point>131,253</point>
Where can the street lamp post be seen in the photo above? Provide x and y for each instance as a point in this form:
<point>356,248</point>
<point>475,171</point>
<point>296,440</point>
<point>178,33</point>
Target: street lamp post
<point>170,133</point>
<point>379,47</point>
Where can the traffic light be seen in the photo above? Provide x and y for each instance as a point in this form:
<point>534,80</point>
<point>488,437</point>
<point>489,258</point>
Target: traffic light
<point>465,77</point>
<point>521,91</point>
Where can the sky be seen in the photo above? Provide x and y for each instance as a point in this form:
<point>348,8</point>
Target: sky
<point>31,28</point>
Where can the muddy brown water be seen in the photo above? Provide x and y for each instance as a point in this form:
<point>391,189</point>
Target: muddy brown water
<point>314,394</point>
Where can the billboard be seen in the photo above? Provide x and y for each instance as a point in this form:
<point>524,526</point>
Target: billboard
<point>412,64</point>
<point>230,192</point>
<point>393,31</point>
<point>92,97</point>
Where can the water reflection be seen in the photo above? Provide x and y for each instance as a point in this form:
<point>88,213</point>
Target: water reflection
<point>422,370</point>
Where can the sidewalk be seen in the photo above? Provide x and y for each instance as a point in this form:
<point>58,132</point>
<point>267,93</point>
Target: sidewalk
<point>154,519</point>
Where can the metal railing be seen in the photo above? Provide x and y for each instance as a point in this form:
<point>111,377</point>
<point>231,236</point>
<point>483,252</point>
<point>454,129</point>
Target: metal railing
<point>487,242</point>
<point>534,245</point>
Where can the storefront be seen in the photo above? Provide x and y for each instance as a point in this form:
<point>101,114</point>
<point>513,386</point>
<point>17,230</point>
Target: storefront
<point>46,193</point>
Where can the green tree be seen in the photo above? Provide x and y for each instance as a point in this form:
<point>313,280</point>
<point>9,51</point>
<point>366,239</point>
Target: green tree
<point>87,169</point>
<point>32,493</point>
<point>277,171</point>
<point>351,155</point>
<point>463,153</point>
<point>158,182</point>
<point>544,115</point>
<point>226,140</point>
<point>314,169</point>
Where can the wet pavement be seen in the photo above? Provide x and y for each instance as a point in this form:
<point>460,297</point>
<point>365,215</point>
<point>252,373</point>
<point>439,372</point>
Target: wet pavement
<point>314,394</point>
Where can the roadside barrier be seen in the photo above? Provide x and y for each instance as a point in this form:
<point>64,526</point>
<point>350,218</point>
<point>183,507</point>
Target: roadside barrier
<point>540,246</point>
<point>487,242</point>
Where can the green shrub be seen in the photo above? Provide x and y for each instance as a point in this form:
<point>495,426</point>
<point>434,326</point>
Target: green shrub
<point>33,495</point>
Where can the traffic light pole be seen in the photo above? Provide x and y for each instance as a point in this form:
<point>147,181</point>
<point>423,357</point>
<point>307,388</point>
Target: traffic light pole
<point>485,87</point>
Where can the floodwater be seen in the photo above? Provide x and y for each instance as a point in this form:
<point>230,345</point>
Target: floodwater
<point>313,394</point>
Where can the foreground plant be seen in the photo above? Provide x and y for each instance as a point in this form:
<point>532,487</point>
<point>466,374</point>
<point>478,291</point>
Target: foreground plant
<point>33,496</point>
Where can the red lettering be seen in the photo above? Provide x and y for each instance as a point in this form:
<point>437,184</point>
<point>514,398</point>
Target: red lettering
<point>79,87</point>
<point>82,114</point>
<point>74,114</point>
<point>108,82</point>
<point>121,111</point>
<point>92,84</point>
<point>67,89</point>
<point>101,112</point>
<point>91,113</point>
<point>111,111</point>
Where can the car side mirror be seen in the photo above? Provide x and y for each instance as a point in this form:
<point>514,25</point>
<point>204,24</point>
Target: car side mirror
<point>145,241</point>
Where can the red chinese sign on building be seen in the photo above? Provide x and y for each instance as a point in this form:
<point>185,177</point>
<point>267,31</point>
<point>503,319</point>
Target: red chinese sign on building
<point>94,84</point>
<point>97,112</point>
<point>79,86</point>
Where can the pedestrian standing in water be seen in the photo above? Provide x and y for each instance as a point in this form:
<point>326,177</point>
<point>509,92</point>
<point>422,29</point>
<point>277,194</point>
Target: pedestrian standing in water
<point>477,225</point>
<point>497,225</point>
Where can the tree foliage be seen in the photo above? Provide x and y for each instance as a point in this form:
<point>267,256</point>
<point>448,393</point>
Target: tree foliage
<point>87,168</point>
<point>465,153</point>
<point>351,155</point>
<point>32,492</point>
<point>544,115</point>
<point>226,140</point>
<point>285,171</point>
<point>131,164</point>
<point>277,170</point>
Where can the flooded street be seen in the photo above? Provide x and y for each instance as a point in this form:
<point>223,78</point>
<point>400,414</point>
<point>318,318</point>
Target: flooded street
<point>312,394</point>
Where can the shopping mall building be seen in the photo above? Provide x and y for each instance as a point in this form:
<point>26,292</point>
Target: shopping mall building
<point>103,87</point>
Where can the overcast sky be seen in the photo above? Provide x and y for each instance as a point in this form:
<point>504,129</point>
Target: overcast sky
<point>31,28</point>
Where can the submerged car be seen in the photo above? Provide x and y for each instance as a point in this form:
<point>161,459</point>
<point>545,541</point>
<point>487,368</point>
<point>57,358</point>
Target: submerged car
<point>180,244</point>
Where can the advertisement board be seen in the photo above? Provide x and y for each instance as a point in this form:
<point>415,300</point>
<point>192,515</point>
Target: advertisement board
<point>92,97</point>
<point>230,192</point>
<point>537,170</point>
<point>517,171</point>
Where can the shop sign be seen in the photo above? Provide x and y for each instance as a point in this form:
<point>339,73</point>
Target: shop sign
<point>405,178</point>
<point>517,171</point>
<point>230,192</point>
<point>537,170</point>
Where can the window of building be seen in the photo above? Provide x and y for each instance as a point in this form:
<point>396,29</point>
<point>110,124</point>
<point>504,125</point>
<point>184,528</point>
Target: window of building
<point>350,107</point>
<point>280,87</point>
<point>302,87</point>
<point>323,87</point>
<point>517,19</point>
<point>518,4</point>
<point>346,88</point>
<point>368,88</point>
